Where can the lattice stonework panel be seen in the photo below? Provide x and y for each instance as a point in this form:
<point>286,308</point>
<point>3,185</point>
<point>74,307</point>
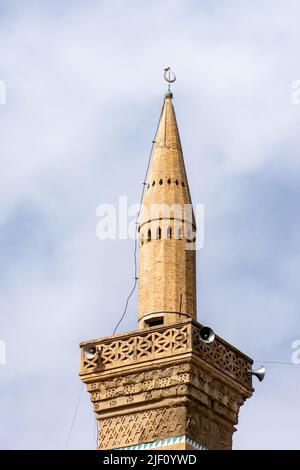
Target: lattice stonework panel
<point>223,357</point>
<point>168,342</point>
<point>145,426</point>
<point>139,347</point>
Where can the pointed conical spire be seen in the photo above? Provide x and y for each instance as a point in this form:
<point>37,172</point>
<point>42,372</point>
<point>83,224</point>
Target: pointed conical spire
<point>167,266</point>
<point>167,170</point>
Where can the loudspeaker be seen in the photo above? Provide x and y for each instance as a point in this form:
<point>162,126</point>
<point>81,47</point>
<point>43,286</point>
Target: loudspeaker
<point>259,373</point>
<point>89,351</point>
<point>206,335</point>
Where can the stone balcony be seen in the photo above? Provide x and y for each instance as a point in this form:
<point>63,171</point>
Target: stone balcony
<point>166,343</point>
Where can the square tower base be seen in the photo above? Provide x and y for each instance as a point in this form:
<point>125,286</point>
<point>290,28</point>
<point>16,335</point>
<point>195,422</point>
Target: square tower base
<point>164,388</point>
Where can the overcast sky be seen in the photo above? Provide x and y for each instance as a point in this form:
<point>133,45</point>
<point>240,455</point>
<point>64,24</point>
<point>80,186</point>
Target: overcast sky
<point>84,91</point>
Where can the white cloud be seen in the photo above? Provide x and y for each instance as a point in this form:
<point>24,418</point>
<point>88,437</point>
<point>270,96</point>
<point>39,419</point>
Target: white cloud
<point>84,90</point>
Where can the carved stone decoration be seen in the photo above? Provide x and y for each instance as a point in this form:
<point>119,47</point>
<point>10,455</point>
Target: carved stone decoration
<point>162,383</point>
<point>168,341</point>
<point>169,385</point>
<point>141,427</point>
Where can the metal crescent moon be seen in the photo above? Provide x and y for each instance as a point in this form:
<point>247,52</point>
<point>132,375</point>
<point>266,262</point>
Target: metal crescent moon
<point>169,80</point>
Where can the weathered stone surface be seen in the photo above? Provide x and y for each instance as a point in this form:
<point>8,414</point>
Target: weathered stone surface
<point>170,384</point>
<point>167,269</point>
<point>162,384</point>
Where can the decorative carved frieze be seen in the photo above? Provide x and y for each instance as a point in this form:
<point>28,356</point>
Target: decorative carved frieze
<point>166,342</point>
<point>210,430</point>
<point>180,382</point>
<point>145,426</point>
<point>224,357</point>
<point>162,423</point>
<point>163,383</point>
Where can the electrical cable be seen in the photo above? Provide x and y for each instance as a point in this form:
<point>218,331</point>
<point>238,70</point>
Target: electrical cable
<point>277,362</point>
<point>136,228</point>
<point>74,417</point>
<point>135,274</point>
<point>135,283</point>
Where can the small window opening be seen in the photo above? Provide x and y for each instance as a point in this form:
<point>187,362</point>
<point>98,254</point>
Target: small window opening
<point>177,183</point>
<point>183,185</point>
<point>156,321</point>
<point>190,237</point>
<point>153,183</point>
<point>169,233</point>
<point>179,233</point>
<point>158,233</point>
<point>169,181</point>
<point>149,236</point>
<point>160,181</point>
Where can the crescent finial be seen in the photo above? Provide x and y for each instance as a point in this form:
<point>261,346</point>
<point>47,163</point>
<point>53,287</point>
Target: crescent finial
<point>169,76</point>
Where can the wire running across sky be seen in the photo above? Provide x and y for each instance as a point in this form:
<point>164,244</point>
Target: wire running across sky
<point>135,274</point>
<point>137,227</point>
<point>134,287</point>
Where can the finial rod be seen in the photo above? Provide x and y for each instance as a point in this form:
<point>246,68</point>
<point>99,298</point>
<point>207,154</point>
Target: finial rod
<point>170,77</point>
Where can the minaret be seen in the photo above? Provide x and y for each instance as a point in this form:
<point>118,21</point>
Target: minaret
<point>166,385</point>
<point>167,232</point>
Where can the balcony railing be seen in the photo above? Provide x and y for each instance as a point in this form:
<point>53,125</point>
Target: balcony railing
<point>164,342</point>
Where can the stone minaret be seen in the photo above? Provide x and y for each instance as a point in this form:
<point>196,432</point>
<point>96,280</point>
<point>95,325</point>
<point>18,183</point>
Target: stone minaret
<point>162,386</point>
<point>167,230</point>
